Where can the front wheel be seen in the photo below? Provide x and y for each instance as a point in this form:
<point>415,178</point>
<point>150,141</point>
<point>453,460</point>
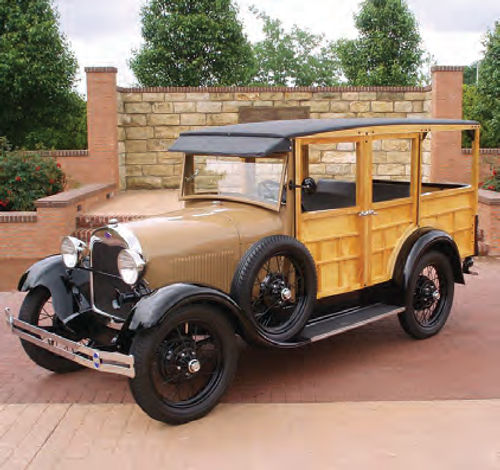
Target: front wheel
<point>184,365</point>
<point>429,296</point>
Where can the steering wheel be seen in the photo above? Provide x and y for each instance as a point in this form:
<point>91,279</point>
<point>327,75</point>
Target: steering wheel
<point>268,189</point>
<point>309,186</point>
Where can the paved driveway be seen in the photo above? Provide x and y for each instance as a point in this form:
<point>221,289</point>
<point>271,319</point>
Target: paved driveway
<point>376,362</point>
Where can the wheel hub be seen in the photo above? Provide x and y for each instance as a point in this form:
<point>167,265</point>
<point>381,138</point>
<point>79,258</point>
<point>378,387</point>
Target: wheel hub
<point>426,293</point>
<point>275,286</point>
<point>179,360</point>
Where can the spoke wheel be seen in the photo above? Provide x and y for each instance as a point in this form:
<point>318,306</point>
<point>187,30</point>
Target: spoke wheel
<point>37,309</point>
<point>184,365</point>
<point>275,285</point>
<point>429,296</point>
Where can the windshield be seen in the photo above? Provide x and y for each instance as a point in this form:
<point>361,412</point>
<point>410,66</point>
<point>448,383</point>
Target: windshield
<point>257,179</point>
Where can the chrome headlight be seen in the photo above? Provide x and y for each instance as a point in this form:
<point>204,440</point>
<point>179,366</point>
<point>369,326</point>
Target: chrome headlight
<point>130,266</point>
<point>72,251</point>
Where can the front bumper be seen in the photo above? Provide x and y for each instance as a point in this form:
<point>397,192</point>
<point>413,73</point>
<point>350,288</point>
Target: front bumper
<point>102,361</point>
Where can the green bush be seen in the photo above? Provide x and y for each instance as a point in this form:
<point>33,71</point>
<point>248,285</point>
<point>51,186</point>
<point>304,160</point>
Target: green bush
<point>493,181</point>
<point>24,179</point>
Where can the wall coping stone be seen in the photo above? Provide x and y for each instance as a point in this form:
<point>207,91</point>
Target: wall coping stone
<point>483,151</point>
<point>16,217</point>
<point>490,198</point>
<point>101,70</point>
<point>272,89</point>
<point>447,68</point>
<point>56,153</point>
<point>67,198</point>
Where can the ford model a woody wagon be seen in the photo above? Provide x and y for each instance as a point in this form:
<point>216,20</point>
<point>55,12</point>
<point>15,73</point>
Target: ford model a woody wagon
<point>292,232</point>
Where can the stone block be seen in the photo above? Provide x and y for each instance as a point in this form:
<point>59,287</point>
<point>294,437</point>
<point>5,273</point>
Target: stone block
<point>163,119</point>
<point>128,120</point>
<point>390,169</point>
<point>390,96</point>
<point>222,119</point>
<point>400,145</point>
<point>417,106</point>
<point>222,96</point>
<point>136,133</point>
<point>153,97</point>
<point>314,155</point>
<point>414,96</point>
<point>333,156</point>
<point>208,107</point>
<point>329,95</point>
<point>382,106</point>
<point>234,106</point>
<point>350,96</point>
<point>140,158</point>
<point>317,169</point>
<point>427,105</point>
<point>136,145</point>
<point>144,182</point>
<point>185,107</point>
<point>121,133</point>
<point>359,106</point>
<point>246,96</point>
<point>170,157</point>
<point>131,97</point>
<point>346,146</point>
<point>175,96</point>
<point>272,96</point>
<point>399,157</point>
<point>138,108</point>
<point>158,170</point>
<point>340,169</point>
<point>298,95</point>
<point>163,108</point>
<point>133,170</point>
<point>403,107</point>
<point>158,145</point>
<point>339,106</point>
<point>193,119</point>
<point>171,182</point>
<point>317,106</point>
<point>166,132</point>
<point>197,96</point>
<point>367,95</point>
<point>379,157</point>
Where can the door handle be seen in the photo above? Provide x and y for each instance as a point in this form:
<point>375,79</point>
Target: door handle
<point>368,212</point>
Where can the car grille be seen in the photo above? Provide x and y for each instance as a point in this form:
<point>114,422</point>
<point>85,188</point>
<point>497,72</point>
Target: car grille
<point>106,281</point>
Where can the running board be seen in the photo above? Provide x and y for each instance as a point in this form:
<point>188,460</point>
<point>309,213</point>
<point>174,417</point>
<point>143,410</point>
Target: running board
<point>331,325</point>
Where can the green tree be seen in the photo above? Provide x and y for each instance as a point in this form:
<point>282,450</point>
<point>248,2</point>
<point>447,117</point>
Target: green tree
<point>488,89</point>
<point>388,50</point>
<point>192,43</point>
<point>37,72</point>
<point>470,73</point>
<point>295,58</point>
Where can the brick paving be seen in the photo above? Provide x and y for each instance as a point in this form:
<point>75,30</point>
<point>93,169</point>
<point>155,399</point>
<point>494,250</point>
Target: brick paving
<point>376,362</point>
<point>431,435</point>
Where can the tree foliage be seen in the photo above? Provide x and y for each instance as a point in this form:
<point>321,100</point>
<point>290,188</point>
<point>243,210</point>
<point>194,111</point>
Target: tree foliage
<point>295,58</point>
<point>37,74</point>
<point>482,102</point>
<point>388,50</point>
<point>192,43</point>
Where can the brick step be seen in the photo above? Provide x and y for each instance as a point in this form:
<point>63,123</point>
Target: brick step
<point>86,224</point>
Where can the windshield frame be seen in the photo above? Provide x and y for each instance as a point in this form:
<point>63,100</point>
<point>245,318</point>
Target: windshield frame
<point>220,197</point>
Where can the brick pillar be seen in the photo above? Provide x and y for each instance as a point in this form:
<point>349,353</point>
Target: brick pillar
<point>448,163</point>
<point>102,123</point>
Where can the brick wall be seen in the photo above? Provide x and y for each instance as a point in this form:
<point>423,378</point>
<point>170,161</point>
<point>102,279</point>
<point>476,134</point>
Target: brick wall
<point>150,119</point>
<point>489,222</point>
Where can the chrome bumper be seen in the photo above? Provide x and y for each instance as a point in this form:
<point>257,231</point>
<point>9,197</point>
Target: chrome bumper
<point>102,361</point>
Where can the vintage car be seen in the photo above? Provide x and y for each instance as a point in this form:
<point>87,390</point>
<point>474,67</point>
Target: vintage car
<point>291,232</point>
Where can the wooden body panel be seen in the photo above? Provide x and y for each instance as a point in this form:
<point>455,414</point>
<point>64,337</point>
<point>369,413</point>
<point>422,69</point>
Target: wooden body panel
<point>453,212</point>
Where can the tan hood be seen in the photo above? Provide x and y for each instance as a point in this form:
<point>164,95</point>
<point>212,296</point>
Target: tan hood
<point>203,243</point>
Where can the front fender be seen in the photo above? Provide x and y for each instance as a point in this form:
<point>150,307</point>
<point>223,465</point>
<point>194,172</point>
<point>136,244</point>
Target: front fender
<point>51,273</point>
<point>421,241</point>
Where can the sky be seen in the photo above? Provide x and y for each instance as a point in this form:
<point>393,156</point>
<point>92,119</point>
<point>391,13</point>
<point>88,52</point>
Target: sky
<point>104,32</point>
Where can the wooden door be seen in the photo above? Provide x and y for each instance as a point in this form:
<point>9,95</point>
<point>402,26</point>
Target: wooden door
<point>335,237</point>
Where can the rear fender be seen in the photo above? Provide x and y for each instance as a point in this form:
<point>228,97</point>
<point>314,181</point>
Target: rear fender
<point>420,242</point>
<point>52,274</point>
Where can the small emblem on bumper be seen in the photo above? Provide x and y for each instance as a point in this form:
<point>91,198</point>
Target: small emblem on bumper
<point>97,360</point>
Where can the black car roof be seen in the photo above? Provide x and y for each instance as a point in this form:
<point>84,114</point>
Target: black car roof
<point>267,137</point>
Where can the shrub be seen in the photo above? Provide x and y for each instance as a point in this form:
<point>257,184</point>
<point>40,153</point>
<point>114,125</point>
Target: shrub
<point>24,179</point>
<point>493,181</point>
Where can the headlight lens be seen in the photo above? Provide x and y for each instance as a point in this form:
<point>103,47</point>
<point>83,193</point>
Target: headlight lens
<point>130,266</point>
<point>72,251</point>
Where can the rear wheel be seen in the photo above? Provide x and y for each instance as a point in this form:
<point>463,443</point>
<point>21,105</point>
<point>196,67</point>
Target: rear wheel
<point>184,365</point>
<point>37,310</point>
<point>429,296</point>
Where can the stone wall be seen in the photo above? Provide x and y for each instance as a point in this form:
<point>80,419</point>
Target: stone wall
<point>150,119</point>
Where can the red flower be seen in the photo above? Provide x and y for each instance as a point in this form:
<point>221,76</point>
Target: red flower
<point>494,172</point>
<point>9,192</point>
<point>37,168</point>
<point>18,178</point>
<point>3,204</point>
<point>58,165</point>
<point>491,186</point>
<point>51,181</point>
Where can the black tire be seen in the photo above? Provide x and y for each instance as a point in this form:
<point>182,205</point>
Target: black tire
<point>160,367</point>
<point>429,296</point>
<point>258,293</point>
<point>31,310</point>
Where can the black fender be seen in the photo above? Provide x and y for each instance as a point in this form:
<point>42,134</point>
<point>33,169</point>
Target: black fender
<point>419,243</point>
<point>51,273</point>
<point>153,308</point>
